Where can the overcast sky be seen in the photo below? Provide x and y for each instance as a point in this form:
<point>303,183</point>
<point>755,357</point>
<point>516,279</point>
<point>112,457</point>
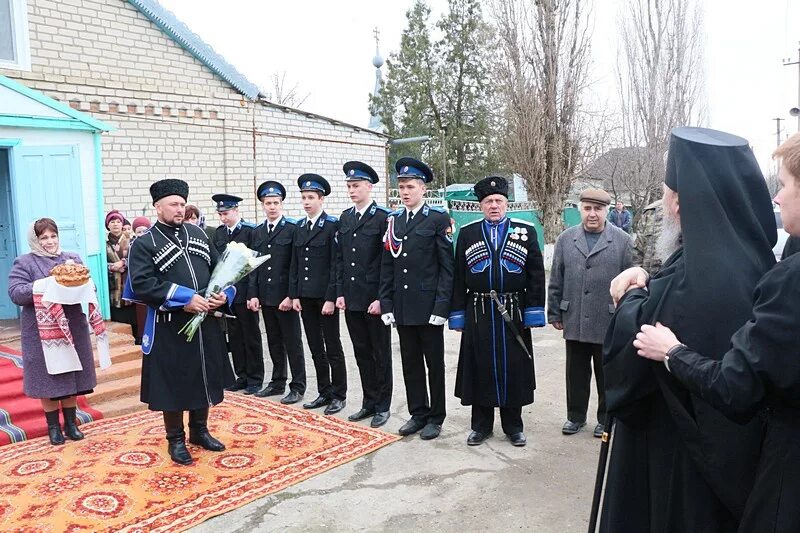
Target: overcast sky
<point>326,48</point>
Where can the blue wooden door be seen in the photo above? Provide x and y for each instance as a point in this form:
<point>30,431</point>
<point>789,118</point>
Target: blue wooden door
<point>8,247</point>
<point>47,183</point>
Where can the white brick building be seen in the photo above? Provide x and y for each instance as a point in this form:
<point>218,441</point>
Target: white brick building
<point>180,110</point>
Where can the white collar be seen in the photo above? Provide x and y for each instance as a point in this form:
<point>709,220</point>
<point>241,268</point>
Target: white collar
<point>314,220</point>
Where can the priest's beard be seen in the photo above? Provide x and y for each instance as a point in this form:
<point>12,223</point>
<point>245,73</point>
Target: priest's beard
<point>669,239</point>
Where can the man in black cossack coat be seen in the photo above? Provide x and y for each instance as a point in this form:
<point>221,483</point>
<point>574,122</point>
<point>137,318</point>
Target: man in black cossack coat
<point>495,362</point>
<point>268,290</point>
<point>169,270</point>
<point>361,230</point>
<point>244,333</point>
<point>416,286</point>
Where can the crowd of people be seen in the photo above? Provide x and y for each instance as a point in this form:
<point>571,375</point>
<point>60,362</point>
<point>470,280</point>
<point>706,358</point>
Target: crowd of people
<point>693,351</point>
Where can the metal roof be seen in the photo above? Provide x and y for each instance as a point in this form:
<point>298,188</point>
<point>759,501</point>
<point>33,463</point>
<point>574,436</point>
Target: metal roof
<point>192,43</point>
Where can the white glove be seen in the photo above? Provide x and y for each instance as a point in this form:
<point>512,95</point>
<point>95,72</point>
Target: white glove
<point>437,320</point>
<point>388,318</point>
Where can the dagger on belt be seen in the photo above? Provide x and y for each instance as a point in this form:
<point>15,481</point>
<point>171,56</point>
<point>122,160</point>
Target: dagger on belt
<point>509,321</point>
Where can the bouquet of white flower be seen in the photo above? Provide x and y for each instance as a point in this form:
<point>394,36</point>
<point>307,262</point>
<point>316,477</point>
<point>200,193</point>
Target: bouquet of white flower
<point>236,262</point>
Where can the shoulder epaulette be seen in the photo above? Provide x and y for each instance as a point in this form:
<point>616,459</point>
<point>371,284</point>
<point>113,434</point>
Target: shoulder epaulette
<point>384,209</point>
<point>438,209</point>
<point>397,212</point>
<point>300,221</point>
<point>248,224</point>
<point>290,220</point>
<point>331,218</point>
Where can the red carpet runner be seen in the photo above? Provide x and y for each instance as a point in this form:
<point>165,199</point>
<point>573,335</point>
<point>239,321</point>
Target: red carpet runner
<point>119,478</point>
<point>21,417</point>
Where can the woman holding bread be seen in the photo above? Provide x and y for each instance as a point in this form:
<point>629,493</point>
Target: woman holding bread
<point>39,381</point>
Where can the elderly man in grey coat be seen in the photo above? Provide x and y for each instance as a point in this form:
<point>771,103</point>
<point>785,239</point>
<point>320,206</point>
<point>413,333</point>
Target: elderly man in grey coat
<point>585,260</point>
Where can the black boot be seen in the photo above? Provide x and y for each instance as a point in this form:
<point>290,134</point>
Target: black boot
<point>54,427</point>
<point>198,431</point>
<point>70,426</point>
<point>173,423</point>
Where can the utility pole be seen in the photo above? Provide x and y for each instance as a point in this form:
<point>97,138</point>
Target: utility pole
<point>787,63</point>
<point>778,130</point>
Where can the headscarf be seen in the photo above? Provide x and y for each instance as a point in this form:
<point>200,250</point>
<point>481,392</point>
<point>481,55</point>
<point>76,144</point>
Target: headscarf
<point>114,214</point>
<point>140,221</point>
<point>36,247</point>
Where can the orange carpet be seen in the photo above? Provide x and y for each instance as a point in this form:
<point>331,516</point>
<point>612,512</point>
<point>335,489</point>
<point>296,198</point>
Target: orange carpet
<point>119,477</point>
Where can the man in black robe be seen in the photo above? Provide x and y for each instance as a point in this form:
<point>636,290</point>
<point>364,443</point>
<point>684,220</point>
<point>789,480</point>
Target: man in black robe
<point>169,270</point>
<point>760,371</point>
<point>495,369</point>
<point>676,463</point>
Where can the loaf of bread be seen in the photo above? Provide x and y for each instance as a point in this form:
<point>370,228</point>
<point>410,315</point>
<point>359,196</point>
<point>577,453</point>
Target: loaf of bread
<point>70,274</point>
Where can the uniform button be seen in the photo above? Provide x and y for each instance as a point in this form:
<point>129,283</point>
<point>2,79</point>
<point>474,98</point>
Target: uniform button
<point>404,254</point>
<point>306,258</point>
<point>269,268</point>
<point>269,246</point>
<point>405,271</point>
<point>352,264</point>
<point>405,238</point>
<point>354,249</point>
<point>585,292</point>
<point>306,268</point>
<point>354,234</point>
<point>305,278</point>
<point>352,279</point>
<point>306,248</point>
<point>405,286</point>
<point>269,279</point>
<point>588,267</point>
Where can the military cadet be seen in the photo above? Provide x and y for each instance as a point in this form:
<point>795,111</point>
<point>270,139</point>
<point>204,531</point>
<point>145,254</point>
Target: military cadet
<point>313,287</point>
<point>244,334</point>
<point>268,290</point>
<point>416,286</point>
<point>499,268</point>
<point>361,230</point>
<point>169,269</point>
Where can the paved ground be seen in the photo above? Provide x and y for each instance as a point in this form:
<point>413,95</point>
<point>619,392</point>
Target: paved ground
<point>443,485</point>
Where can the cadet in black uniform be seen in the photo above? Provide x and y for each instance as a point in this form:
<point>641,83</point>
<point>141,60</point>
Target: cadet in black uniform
<point>313,287</point>
<point>169,270</point>
<point>244,334</point>
<point>269,291</point>
<point>416,286</point>
<point>361,230</point>
<point>495,363</point>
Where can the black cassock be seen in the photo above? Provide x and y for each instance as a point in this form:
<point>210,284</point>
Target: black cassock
<point>493,368</point>
<point>167,266</point>
<point>761,370</point>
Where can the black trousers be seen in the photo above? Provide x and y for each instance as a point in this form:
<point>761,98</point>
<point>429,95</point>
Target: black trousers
<point>483,419</point>
<point>581,356</point>
<point>244,338</point>
<point>372,346</point>
<point>322,334</point>
<point>422,346</point>
<point>285,343</point>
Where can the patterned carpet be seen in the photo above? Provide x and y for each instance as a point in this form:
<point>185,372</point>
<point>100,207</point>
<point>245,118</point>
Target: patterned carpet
<point>119,477</point>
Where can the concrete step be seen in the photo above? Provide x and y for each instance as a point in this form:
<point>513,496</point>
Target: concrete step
<point>119,406</point>
<point>122,354</point>
<point>118,388</point>
<point>120,370</point>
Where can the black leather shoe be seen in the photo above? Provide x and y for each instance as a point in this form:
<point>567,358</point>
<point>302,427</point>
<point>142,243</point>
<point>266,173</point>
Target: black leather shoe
<point>570,427</point>
<point>411,427</point>
<point>430,431</point>
<point>236,387</point>
<point>319,402</point>
<point>54,428</point>
<point>178,452</point>
<point>598,431</point>
<point>518,439</point>
<point>292,397</point>
<point>335,406</point>
<point>361,414</point>
<point>476,438</point>
<point>251,389</point>
<point>379,419</point>
<point>269,391</point>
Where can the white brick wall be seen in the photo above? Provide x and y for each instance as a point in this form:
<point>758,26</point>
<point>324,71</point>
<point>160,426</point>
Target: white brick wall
<point>176,118</point>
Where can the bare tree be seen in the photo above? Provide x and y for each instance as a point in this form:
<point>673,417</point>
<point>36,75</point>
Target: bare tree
<point>282,94</point>
<point>660,86</point>
<point>543,72</point>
